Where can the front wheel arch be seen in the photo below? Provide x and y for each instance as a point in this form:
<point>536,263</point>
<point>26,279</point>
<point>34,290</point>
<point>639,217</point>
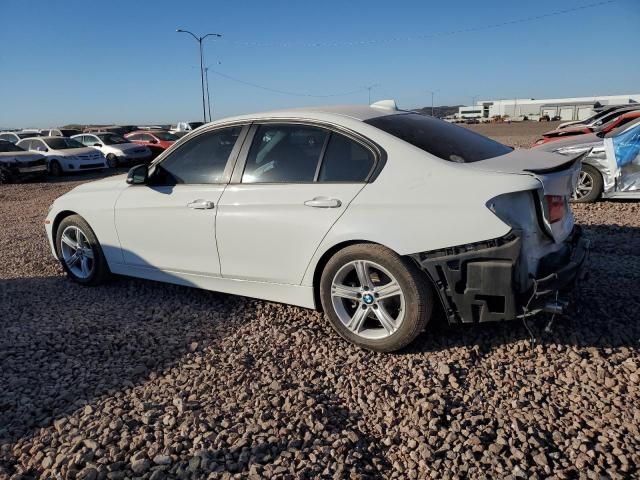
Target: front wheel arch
<point>56,223</point>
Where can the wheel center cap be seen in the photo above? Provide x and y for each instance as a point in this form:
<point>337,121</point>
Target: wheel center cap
<point>367,298</point>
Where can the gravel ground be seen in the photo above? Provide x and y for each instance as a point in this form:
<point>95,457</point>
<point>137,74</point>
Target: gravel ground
<point>516,134</point>
<point>138,379</point>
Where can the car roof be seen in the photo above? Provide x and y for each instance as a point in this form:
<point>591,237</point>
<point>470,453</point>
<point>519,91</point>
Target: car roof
<point>354,112</point>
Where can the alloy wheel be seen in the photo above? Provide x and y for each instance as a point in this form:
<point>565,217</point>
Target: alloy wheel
<point>585,185</point>
<point>77,253</point>
<point>368,299</point>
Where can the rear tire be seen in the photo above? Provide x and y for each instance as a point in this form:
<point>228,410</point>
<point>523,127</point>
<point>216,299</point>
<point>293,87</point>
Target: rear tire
<point>590,185</point>
<point>387,310</point>
<point>80,252</point>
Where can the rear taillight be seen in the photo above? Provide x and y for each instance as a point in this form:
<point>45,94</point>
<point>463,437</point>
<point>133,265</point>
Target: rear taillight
<point>556,207</point>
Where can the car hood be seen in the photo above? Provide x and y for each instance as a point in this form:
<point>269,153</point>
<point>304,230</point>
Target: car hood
<point>20,156</point>
<point>126,147</point>
<point>73,151</point>
<point>116,182</point>
<point>590,139</point>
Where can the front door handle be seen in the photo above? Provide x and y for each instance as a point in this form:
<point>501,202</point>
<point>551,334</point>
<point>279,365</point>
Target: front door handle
<point>323,202</point>
<point>201,204</point>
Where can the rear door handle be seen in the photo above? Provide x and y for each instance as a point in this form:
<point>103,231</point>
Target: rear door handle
<point>323,202</point>
<point>201,204</point>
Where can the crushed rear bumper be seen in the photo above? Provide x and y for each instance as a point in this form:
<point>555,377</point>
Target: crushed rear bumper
<point>483,281</point>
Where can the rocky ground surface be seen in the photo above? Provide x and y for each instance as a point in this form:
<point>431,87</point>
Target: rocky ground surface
<point>143,380</point>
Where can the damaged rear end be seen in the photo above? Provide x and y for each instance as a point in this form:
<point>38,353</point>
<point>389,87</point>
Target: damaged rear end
<point>535,266</point>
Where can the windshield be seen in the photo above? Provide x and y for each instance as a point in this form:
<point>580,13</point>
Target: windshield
<point>69,132</point>
<point>9,147</point>
<point>111,138</point>
<point>27,135</point>
<point>439,138</point>
<point>165,136</point>
<point>62,143</point>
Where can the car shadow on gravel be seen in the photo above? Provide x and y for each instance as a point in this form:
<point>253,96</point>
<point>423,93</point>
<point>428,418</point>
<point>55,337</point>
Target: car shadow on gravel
<point>63,345</point>
<point>603,314</point>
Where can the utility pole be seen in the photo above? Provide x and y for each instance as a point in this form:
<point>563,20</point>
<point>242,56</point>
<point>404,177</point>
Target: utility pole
<point>199,40</point>
<point>432,92</point>
<point>206,79</point>
<point>369,88</point>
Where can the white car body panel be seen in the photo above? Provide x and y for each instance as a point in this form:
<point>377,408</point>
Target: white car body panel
<point>173,236</point>
<point>124,151</point>
<point>266,232</point>
<point>270,243</point>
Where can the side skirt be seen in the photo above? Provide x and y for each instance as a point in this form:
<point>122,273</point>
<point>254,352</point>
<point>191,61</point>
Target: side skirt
<point>275,292</point>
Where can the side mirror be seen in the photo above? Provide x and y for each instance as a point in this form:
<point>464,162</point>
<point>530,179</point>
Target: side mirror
<point>97,144</point>
<point>153,141</point>
<point>138,175</point>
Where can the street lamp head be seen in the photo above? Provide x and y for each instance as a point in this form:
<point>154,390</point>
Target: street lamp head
<point>179,30</point>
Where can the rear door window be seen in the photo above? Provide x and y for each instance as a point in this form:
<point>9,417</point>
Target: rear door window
<point>283,153</point>
<point>345,161</point>
<point>437,137</point>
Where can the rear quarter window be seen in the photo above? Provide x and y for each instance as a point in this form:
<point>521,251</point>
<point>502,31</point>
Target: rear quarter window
<point>437,137</point>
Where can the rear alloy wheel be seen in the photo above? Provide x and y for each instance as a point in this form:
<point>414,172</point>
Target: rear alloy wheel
<point>80,253</point>
<point>375,298</point>
<point>590,185</point>
<point>112,161</point>
<point>55,170</point>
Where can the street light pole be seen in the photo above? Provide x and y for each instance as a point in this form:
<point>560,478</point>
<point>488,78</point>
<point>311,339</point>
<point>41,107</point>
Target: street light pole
<point>199,40</point>
<point>206,79</point>
<point>432,92</point>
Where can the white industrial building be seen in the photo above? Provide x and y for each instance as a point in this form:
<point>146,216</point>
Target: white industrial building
<point>576,108</point>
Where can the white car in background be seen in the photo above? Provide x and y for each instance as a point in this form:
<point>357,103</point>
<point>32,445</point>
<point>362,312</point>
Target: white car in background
<point>64,154</point>
<point>377,216</point>
<point>116,149</point>
<point>15,137</point>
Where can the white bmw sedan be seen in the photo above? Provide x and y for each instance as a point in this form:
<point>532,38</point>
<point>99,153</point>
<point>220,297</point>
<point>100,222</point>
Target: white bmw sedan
<point>376,216</point>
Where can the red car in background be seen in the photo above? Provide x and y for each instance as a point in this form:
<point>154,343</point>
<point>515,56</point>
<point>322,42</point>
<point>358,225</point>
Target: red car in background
<point>559,134</point>
<point>156,140</point>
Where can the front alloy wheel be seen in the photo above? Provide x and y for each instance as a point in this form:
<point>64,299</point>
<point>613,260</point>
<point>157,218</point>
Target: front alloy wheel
<point>77,253</point>
<point>80,252</point>
<point>375,298</point>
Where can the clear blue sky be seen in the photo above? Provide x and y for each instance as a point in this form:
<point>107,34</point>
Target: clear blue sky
<point>122,62</point>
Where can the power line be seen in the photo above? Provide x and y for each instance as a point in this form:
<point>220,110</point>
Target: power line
<point>421,36</point>
<point>284,92</point>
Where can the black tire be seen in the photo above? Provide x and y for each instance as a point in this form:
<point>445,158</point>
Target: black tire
<point>112,161</point>
<point>597,184</point>
<point>415,286</point>
<point>100,272</point>
<point>55,169</point>
<point>5,176</point>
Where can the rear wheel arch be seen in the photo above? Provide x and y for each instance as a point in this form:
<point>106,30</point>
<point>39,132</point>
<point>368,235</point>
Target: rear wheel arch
<point>328,254</point>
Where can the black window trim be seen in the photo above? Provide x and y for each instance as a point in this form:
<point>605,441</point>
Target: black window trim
<point>226,174</point>
<point>379,154</point>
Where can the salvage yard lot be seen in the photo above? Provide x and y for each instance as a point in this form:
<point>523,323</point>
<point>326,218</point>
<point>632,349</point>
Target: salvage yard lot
<point>141,379</point>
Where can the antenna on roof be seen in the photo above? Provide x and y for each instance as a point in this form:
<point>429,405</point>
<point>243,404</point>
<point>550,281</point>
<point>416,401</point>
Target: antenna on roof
<point>385,105</point>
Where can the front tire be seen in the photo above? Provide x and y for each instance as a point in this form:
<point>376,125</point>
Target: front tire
<point>375,298</point>
<point>590,185</point>
<point>80,252</point>
<point>55,169</point>
<point>112,161</point>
